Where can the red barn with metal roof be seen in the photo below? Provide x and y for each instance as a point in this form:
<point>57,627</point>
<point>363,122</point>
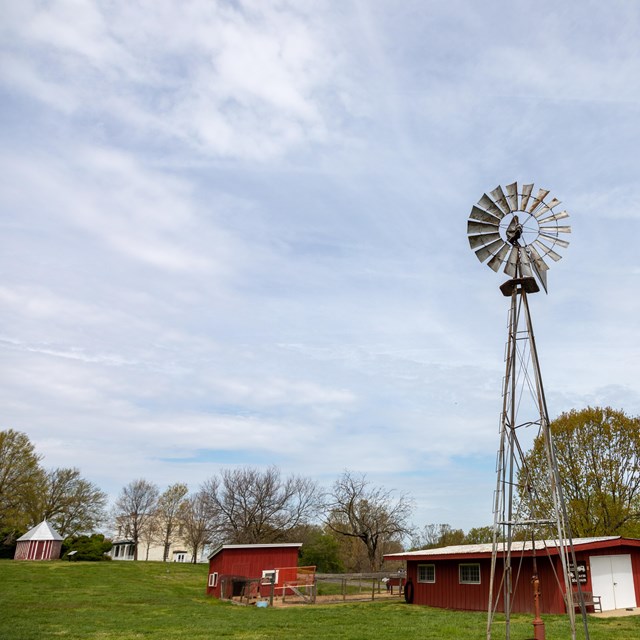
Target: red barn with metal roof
<point>250,561</point>
<point>42,542</point>
<point>457,577</point>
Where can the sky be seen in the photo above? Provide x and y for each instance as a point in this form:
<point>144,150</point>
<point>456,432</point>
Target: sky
<point>234,232</point>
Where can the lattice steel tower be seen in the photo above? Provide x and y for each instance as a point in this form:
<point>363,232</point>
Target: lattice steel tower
<point>519,232</point>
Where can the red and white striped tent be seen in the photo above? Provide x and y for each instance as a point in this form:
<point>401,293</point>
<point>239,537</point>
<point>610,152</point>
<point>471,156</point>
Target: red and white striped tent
<point>42,542</point>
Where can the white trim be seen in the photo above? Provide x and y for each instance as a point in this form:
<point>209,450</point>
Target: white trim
<point>433,566</point>
<point>267,573</point>
<point>213,579</point>
<point>285,545</point>
<point>469,564</point>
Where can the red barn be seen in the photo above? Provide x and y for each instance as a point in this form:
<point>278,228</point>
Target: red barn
<point>42,542</point>
<point>251,562</point>
<point>458,577</point>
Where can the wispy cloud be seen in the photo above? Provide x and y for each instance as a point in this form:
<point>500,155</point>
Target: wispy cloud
<point>235,231</point>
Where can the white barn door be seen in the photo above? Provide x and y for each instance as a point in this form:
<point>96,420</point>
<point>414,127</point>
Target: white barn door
<point>612,580</point>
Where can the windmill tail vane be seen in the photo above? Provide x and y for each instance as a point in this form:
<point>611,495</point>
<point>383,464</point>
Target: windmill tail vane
<point>518,231</point>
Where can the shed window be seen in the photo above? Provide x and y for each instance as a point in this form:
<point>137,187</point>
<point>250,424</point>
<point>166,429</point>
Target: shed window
<point>268,573</point>
<point>469,573</point>
<point>426,573</point>
<point>213,579</point>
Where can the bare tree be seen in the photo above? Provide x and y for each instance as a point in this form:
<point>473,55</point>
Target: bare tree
<point>135,508</point>
<point>357,509</point>
<point>248,505</point>
<point>197,525</point>
<point>168,513</point>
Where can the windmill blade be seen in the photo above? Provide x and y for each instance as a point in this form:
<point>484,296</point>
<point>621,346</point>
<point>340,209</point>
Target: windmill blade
<point>511,268</point>
<point>489,250</point>
<point>500,200</point>
<point>484,239</point>
<point>525,263</point>
<point>481,227</point>
<point>526,193</point>
<point>547,207</point>
<point>522,248</point>
<point>488,205</point>
<point>536,264</point>
<point>555,216</point>
<point>480,214</point>
<point>556,240</point>
<point>537,201</point>
<point>512,196</point>
<point>547,251</point>
<point>539,263</point>
<point>498,259</point>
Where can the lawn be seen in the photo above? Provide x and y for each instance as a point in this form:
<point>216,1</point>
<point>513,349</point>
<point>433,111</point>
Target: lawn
<point>155,601</point>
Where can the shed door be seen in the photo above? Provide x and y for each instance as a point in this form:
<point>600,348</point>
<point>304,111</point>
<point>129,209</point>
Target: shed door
<point>612,580</point>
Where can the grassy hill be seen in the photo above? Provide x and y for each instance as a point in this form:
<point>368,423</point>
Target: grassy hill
<point>155,601</point>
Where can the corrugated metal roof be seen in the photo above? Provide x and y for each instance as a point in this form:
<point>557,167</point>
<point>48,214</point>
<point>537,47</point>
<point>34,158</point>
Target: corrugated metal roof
<point>42,531</point>
<point>470,549</point>
<point>275,545</point>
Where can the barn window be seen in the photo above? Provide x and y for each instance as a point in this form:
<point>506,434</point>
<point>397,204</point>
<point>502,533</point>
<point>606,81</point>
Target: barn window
<point>469,573</point>
<point>268,573</point>
<point>213,579</point>
<point>426,573</point>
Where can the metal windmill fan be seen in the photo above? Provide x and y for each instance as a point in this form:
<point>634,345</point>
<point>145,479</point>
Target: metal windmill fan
<point>518,230</point>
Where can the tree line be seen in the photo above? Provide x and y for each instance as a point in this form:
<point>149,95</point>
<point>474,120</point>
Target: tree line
<point>30,493</point>
<point>248,505</point>
<point>349,526</point>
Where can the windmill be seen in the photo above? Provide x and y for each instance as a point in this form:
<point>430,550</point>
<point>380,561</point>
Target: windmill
<point>519,232</point>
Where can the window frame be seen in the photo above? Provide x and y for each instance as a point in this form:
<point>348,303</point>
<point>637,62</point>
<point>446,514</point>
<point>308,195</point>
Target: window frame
<point>213,579</point>
<point>267,573</point>
<point>469,564</point>
<point>427,580</point>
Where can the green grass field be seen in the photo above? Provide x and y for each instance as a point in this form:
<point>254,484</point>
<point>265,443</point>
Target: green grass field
<point>154,601</point>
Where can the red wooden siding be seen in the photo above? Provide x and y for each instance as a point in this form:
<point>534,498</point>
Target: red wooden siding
<point>447,592</point>
<point>38,550</point>
<point>250,562</point>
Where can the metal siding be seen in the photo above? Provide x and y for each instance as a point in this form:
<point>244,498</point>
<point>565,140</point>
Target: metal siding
<point>448,593</point>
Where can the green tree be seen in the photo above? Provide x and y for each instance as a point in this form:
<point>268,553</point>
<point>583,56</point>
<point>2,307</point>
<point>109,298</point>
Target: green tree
<point>479,535</point>
<point>88,548</point>
<point>72,504</point>
<point>20,475</point>
<point>320,549</point>
<point>598,455</point>
<point>433,536</point>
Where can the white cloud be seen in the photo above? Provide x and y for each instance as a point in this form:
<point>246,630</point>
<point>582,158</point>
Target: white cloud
<point>237,81</point>
<point>234,232</point>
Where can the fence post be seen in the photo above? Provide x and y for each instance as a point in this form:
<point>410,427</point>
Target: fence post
<point>273,588</point>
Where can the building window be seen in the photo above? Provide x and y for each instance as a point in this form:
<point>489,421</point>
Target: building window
<point>267,576</point>
<point>213,579</point>
<point>426,573</point>
<point>469,573</point>
<point>179,556</point>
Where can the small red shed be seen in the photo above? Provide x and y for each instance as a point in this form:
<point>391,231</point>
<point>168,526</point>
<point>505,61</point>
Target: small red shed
<point>42,542</point>
<point>457,577</point>
<point>251,561</point>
